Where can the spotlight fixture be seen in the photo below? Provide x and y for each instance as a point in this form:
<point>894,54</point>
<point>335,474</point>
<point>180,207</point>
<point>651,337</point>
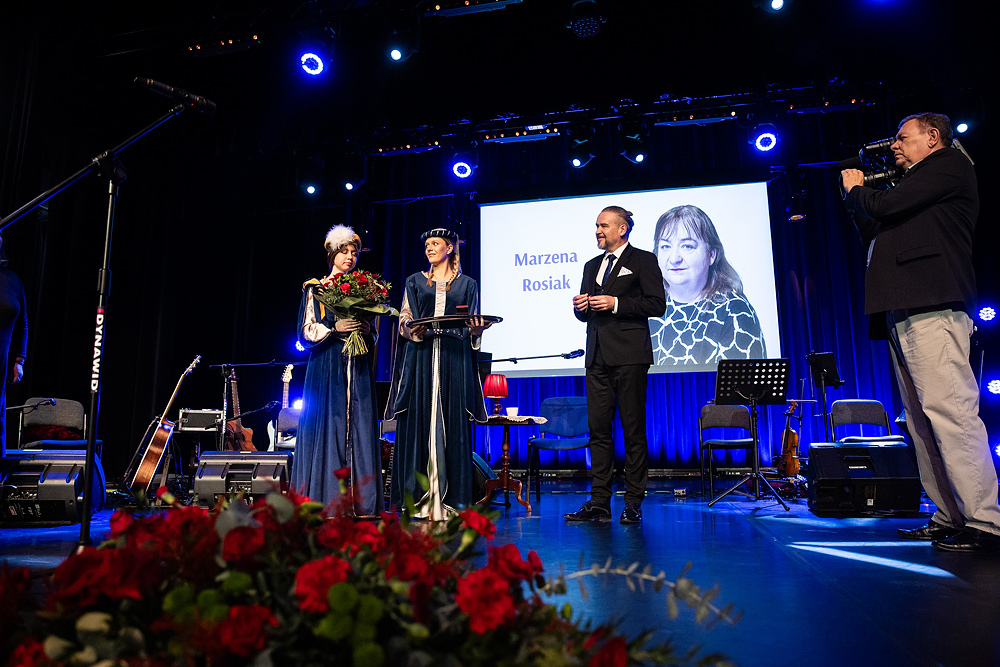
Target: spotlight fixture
<point>580,148</point>
<point>312,63</point>
<point>764,137</point>
<point>309,172</point>
<point>987,313</point>
<point>404,38</point>
<point>463,165</point>
<point>770,6</point>
<point>635,136</point>
<point>585,18</point>
<point>962,128</point>
<point>994,386</point>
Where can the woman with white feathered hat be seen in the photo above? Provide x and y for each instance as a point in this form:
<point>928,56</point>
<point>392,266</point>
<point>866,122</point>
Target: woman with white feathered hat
<point>337,428</point>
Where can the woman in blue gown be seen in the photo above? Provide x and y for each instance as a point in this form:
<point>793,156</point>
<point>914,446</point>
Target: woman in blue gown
<point>337,428</point>
<point>436,389</point>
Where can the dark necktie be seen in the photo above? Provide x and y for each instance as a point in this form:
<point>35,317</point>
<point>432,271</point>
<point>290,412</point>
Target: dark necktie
<point>607,272</point>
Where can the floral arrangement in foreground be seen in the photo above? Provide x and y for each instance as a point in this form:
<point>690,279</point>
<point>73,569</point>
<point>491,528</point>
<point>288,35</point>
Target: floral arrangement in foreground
<point>282,583</point>
<point>356,294</point>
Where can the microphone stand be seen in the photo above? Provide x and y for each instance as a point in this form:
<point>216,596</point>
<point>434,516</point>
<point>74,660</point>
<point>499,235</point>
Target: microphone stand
<point>225,370</point>
<point>107,166</point>
<point>564,355</point>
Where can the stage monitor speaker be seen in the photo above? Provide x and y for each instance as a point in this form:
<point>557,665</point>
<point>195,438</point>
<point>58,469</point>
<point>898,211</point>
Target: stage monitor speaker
<point>225,474</point>
<point>862,479</point>
<point>46,486</point>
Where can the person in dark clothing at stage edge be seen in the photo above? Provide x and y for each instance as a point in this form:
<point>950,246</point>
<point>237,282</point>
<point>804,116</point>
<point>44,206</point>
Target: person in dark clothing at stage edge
<point>919,289</point>
<point>621,289</point>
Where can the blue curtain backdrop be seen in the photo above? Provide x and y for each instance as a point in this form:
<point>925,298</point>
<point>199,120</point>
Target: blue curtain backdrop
<point>819,272</point>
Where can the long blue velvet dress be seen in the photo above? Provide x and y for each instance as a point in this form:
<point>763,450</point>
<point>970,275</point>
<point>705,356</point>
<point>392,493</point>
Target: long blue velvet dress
<point>321,444</point>
<point>437,392</point>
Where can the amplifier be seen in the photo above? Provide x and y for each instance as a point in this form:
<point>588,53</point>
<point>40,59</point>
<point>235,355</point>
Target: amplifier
<point>225,474</point>
<point>862,479</point>
<point>43,485</point>
<point>199,421</point>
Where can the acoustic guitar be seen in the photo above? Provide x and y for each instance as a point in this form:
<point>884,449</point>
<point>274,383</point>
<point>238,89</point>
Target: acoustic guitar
<point>237,438</point>
<point>286,377</point>
<point>149,455</point>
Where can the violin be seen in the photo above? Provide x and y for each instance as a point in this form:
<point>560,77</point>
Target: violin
<point>788,464</point>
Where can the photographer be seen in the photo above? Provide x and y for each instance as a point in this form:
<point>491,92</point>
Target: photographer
<point>919,289</point>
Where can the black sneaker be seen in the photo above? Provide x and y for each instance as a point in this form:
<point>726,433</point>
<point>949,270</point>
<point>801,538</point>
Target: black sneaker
<point>590,511</point>
<point>632,513</point>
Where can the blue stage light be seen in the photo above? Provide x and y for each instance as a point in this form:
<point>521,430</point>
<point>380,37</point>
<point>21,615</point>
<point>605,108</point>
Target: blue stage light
<point>396,54</point>
<point>765,137</point>
<point>463,164</point>
<point>987,313</point>
<point>299,346</point>
<point>993,386</point>
<point>777,5</point>
<point>348,186</point>
<point>310,189</point>
<point>312,63</point>
<point>962,128</point>
<point>297,404</point>
<point>996,450</point>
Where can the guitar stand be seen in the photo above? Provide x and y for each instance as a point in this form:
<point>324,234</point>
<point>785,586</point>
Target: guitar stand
<point>752,382</point>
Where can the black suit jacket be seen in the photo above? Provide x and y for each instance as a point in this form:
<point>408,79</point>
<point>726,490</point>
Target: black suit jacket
<point>923,232</point>
<point>624,336</point>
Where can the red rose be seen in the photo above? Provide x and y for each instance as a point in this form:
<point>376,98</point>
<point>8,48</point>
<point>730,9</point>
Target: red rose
<point>506,560</point>
<point>485,596</point>
<point>407,567</point>
<point>343,473</point>
<point>120,521</point>
<point>345,288</point>
<point>314,579</point>
<point>478,523</point>
<point>242,544</point>
<point>614,653</point>
<point>85,577</point>
<point>14,585</point>
<point>367,534</point>
<point>243,633</point>
<point>362,279</point>
<point>29,653</point>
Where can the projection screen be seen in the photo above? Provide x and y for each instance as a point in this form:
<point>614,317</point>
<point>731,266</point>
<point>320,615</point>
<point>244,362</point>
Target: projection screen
<point>532,258</point>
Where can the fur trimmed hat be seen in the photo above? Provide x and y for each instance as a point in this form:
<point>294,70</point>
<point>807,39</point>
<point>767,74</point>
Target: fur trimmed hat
<point>339,236</point>
<point>440,233</point>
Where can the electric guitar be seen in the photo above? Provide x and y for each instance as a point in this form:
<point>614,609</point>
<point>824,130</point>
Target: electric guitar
<point>148,457</point>
<point>272,434</point>
<point>237,438</point>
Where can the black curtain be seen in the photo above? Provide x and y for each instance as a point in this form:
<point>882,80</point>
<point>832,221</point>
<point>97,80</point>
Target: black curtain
<point>213,236</point>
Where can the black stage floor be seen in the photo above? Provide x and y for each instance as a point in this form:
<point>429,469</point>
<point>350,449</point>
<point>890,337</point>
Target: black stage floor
<point>813,591</point>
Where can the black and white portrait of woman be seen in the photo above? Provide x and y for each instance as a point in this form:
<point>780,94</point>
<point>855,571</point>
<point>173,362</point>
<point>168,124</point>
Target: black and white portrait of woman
<point>708,317</point>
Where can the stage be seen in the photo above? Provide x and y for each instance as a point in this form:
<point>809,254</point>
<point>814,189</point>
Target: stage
<point>813,591</point>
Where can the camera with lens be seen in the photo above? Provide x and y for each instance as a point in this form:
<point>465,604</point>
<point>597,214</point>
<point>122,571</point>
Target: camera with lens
<point>878,163</point>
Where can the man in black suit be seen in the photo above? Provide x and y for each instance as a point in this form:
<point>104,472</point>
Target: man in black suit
<point>622,288</point>
<point>919,290</point>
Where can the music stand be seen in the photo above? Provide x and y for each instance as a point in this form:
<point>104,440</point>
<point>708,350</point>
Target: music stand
<point>752,382</point>
<point>823,368</point>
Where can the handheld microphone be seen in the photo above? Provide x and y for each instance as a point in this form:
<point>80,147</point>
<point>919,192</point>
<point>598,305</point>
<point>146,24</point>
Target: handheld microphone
<point>196,102</point>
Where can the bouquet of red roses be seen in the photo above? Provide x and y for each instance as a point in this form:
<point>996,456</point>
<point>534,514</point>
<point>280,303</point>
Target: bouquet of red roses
<point>355,295</point>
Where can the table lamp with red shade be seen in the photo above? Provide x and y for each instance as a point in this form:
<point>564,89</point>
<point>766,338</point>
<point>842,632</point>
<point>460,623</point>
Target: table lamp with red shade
<point>495,387</point>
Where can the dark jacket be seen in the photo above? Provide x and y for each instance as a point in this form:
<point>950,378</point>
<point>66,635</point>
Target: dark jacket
<point>923,231</point>
<point>624,336</point>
